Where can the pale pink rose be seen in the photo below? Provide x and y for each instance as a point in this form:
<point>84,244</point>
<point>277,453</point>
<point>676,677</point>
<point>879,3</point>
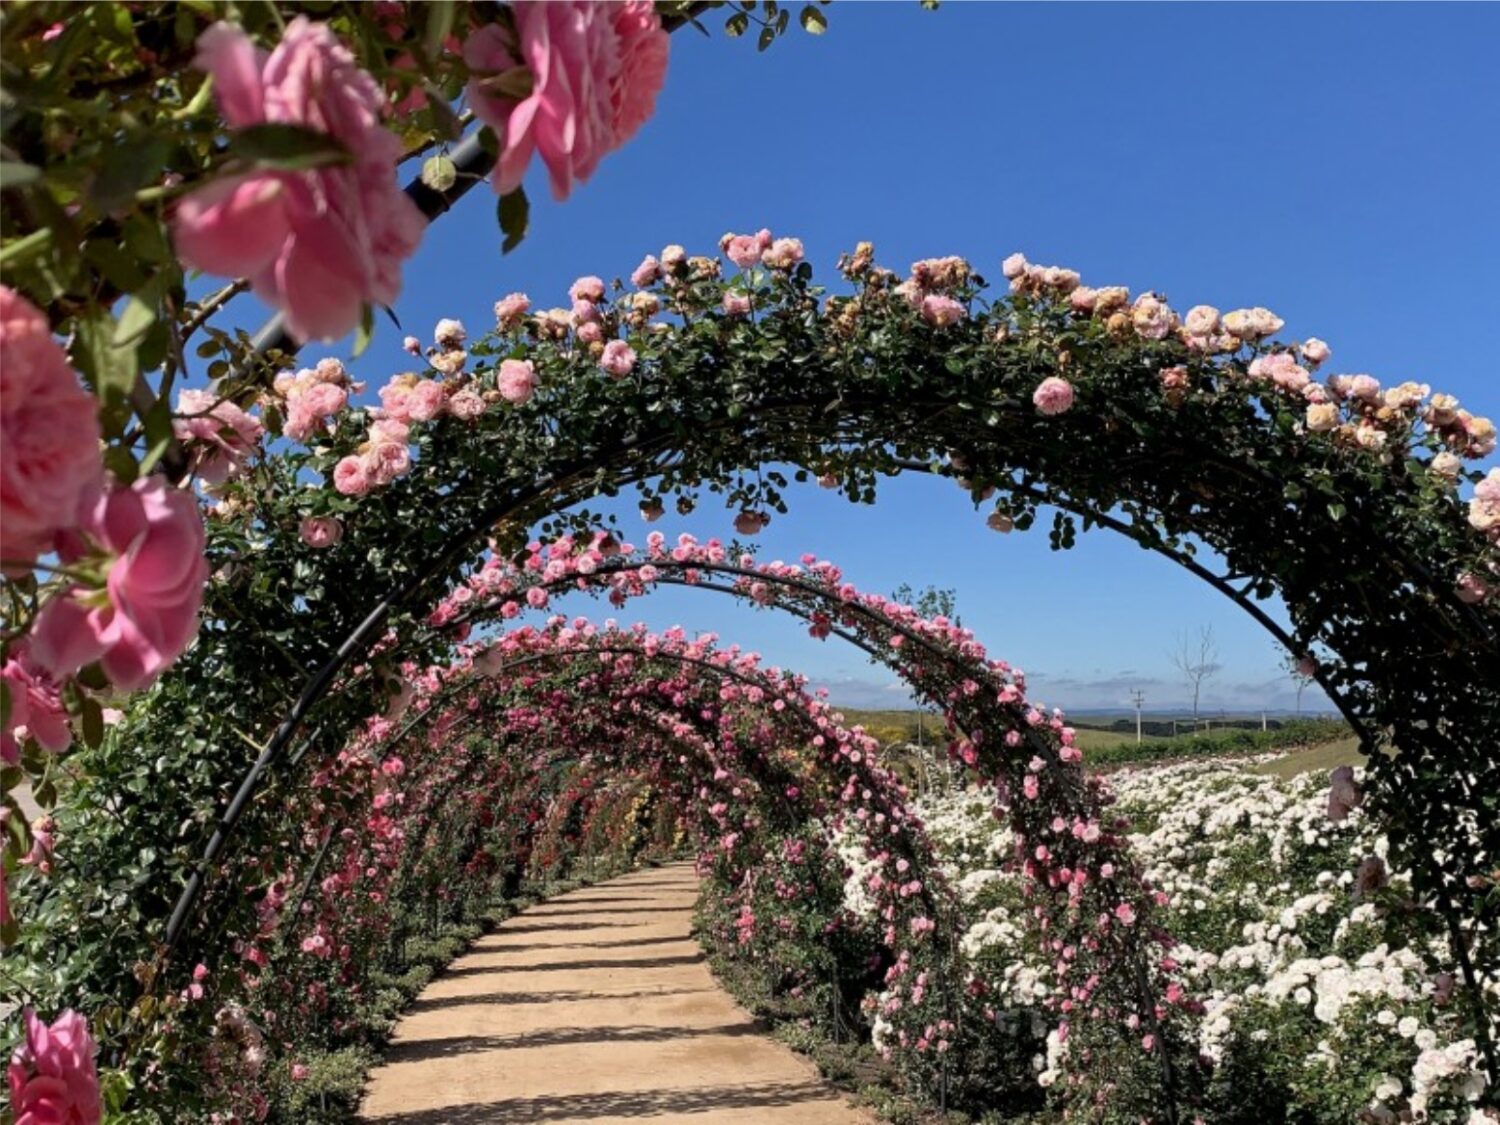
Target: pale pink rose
<point>1252,324</point>
<point>426,401</point>
<point>1281,369</point>
<point>219,436</point>
<point>584,311</point>
<point>744,250</point>
<point>412,344</point>
<point>1083,299</point>
<point>1201,321</point>
<point>618,358</point>
<point>1053,396</point>
<point>736,304</point>
<point>516,380</point>
<point>751,523</point>
<point>449,333</point>
<point>1110,298</point>
<point>595,69</point>
<point>1406,396</point>
<point>510,309</point>
<point>1152,318</point>
<point>386,460</point>
<point>1344,794</point>
<point>49,434</point>
<point>1063,280</point>
<point>1371,437</point>
<point>1365,388</point>
<point>150,539</point>
<point>300,1072</point>
<point>466,405</point>
<point>1315,351</point>
<point>1014,266</point>
<point>647,273</point>
<point>1126,914</point>
<point>318,244</point>
<point>1446,465</point>
<point>910,292</point>
<point>673,257</point>
<point>320,531</point>
<point>590,333</point>
<point>782,254</point>
<point>35,705</point>
<point>449,362</point>
<point>1173,378</point>
<point>52,1076</point>
<point>1442,410</point>
<point>350,477</point>
<point>941,311</point>
<point>1322,417</point>
<point>1478,435</point>
<point>1471,588</point>
<point>589,289</point>
<point>395,397</point>
<point>308,406</point>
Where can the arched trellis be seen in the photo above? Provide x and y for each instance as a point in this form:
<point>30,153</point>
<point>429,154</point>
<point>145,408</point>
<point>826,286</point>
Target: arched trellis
<point>862,387</point>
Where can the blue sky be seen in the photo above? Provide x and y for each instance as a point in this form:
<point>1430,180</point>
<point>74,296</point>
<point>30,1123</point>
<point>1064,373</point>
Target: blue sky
<point>1337,163</point>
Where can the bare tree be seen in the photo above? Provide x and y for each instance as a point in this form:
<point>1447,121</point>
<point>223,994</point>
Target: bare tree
<point>1196,656</point>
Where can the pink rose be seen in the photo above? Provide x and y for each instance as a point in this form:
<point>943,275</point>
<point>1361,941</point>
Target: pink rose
<point>300,1072</point>
<point>590,333</point>
<point>49,434</point>
<point>412,345</point>
<point>782,254</point>
<point>35,705</point>
<point>647,273</point>
<point>595,69</point>
<point>588,289</point>
<point>219,436</point>
<point>1053,396</point>
<point>426,401</point>
<point>319,532</point>
<point>1322,417</point>
<point>1152,318</point>
<point>148,540</point>
<point>466,405</point>
<point>751,523</point>
<point>317,244</point>
<point>1201,321</point>
<point>941,311</point>
<point>618,358</point>
<point>1315,351</point>
<point>510,309</point>
<point>449,333</point>
<point>1014,266</point>
<point>516,380</point>
<point>736,304</point>
<point>52,1076</point>
<point>350,477</point>
<point>1252,324</point>
<point>308,406</point>
<point>673,257</point>
<point>1471,588</point>
<point>744,250</point>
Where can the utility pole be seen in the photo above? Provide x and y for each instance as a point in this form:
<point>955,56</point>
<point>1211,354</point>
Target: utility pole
<point>1138,697</point>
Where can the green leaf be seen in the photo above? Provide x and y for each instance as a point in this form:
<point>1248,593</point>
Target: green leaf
<point>14,174</point>
<point>439,24</point>
<point>287,148</point>
<point>1336,511</point>
<point>736,25</point>
<point>366,331</point>
<point>128,166</point>
<point>139,314</point>
<point>439,173</point>
<point>112,369</point>
<point>514,216</point>
<point>767,37</point>
<point>814,22</point>
<point>93,723</point>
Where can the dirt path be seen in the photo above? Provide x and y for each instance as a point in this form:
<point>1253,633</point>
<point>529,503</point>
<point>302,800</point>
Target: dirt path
<point>596,1006</point>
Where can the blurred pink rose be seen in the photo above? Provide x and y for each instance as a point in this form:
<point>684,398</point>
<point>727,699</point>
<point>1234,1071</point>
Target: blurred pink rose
<point>320,531</point>
<point>596,69</point>
<point>219,436</point>
<point>466,405</point>
<point>317,244</point>
<point>1344,794</point>
<point>590,289</point>
<point>1053,396</point>
<point>52,1075</point>
<point>516,380</point>
<point>736,304</point>
<point>350,477</point>
<point>1315,351</point>
<point>49,434</point>
<point>751,523</point>
<point>149,538</point>
<point>782,254</point>
<point>941,311</point>
<point>511,308</point>
<point>35,705</point>
<point>647,273</point>
<point>618,358</point>
<point>426,401</point>
<point>1201,321</point>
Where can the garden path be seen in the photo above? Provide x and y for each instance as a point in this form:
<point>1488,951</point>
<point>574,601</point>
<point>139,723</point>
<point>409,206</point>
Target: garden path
<point>596,1006</point>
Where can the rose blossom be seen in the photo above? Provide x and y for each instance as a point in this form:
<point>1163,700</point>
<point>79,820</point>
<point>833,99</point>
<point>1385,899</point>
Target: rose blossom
<point>736,304</point>
<point>510,309</point>
<point>308,406</point>
<point>1152,318</point>
<point>219,435</point>
<point>466,405</point>
<point>35,705</point>
<point>647,273</point>
<point>782,254</point>
<point>52,1076</point>
<point>49,433</point>
<point>1315,351</point>
<point>673,257</point>
<point>516,380</point>
<point>320,531</point>
<point>318,244</point>
<point>412,344</point>
<point>618,358</point>
<point>426,401</point>
<point>751,523</point>
<point>1343,794</point>
<point>587,289</point>
<point>596,69</point>
<point>1014,266</point>
<point>1322,417</point>
<point>1053,396</point>
<point>941,311</point>
<point>1201,321</point>
<point>149,539</point>
<point>1471,588</point>
<point>449,333</point>
<point>1446,465</point>
<point>1252,324</point>
<point>350,476</point>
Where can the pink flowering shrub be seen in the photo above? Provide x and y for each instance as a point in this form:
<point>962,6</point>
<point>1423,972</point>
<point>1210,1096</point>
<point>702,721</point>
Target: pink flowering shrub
<point>49,435</point>
<point>318,244</point>
<point>218,435</point>
<point>596,69</point>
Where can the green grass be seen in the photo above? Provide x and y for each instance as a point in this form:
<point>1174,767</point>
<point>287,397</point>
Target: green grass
<point>1343,752</point>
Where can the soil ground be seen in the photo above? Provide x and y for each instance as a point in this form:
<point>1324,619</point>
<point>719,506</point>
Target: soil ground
<point>594,1007</point>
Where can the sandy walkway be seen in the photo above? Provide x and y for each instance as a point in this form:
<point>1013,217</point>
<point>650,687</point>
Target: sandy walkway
<point>596,1006</point>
